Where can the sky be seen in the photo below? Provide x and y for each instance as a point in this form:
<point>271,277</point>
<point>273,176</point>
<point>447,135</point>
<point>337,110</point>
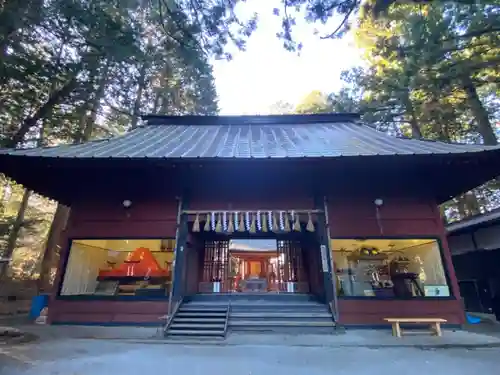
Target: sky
<point>266,73</point>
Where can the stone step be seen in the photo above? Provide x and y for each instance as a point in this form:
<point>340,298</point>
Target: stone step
<point>192,326</point>
<point>190,339</point>
<point>197,314</point>
<point>203,309</point>
<point>282,310</point>
<point>253,302</point>
<point>286,330</point>
<point>199,320</point>
<point>273,314</point>
<point>199,333</point>
<point>280,323</point>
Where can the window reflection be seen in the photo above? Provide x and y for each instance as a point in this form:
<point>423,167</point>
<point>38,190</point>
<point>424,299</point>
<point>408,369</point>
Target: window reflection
<point>125,267</point>
<point>389,268</point>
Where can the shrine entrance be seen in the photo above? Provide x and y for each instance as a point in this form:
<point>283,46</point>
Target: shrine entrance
<point>244,265</point>
<point>272,253</point>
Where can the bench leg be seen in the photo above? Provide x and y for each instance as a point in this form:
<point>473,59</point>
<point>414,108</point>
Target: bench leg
<point>437,329</point>
<point>397,328</point>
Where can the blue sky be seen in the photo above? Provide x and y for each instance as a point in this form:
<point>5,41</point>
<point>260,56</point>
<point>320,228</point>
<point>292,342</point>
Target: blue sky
<point>266,73</point>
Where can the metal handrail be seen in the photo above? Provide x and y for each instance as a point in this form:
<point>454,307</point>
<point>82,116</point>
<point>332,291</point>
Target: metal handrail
<point>177,231</point>
<point>170,318</point>
<point>334,306</point>
<point>227,317</point>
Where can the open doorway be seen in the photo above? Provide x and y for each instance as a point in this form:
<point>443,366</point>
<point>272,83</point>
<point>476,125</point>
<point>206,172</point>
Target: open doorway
<point>254,265</point>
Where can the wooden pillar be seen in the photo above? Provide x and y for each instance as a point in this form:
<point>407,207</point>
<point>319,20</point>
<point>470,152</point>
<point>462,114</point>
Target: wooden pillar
<point>179,279</point>
<point>324,250</point>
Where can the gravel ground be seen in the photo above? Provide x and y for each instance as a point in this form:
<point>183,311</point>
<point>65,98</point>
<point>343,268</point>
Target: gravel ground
<point>104,357</point>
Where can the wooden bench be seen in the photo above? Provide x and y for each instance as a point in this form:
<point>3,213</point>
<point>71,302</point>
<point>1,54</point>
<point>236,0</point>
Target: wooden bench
<point>434,324</point>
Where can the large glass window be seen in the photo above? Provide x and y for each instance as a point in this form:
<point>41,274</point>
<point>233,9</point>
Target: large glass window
<point>389,268</point>
<point>125,267</point>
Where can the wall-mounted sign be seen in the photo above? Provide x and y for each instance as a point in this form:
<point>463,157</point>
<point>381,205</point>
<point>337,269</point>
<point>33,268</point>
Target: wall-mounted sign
<point>324,258</point>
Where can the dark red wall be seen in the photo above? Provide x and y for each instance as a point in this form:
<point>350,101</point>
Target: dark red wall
<point>348,217</point>
<point>108,219</point>
<point>279,198</point>
<point>146,218</point>
<point>356,217</point>
<point>107,312</point>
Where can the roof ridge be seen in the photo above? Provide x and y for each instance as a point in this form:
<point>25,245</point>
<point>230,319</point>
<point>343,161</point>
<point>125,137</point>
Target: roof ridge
<point>287,119</point>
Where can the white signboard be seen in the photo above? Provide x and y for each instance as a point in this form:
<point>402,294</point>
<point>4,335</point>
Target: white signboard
<point>324,258</point>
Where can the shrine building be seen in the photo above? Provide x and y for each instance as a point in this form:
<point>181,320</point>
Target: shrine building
<point>290,222</point>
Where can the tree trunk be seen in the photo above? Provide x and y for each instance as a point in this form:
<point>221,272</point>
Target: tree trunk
<point>138,96</point>
<point>442,213</point>
<point>54,98</point>
<point>479,112</point>
<point>52,246</point>
<point>462,211</point>
<point>472,204</point>
<point>468,205</point>
<point>415,129</point>
<point>95,104</point>
<point>61,216</point>
<point>14,232</point>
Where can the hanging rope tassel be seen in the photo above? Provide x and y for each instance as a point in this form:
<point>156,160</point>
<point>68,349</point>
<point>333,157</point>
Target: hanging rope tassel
<point>287,222</point>
<point>212,221</point>
<point>281,221</point>
<point>224,221</point>
<point>296,224</point>
<point>310,225</point>
<point>241,227</point>
<point>253,225</point>
<point>218,227</point>
<point>206,228</point>
<point>230,225</point>
<point>259,222</point>
<point>247,221</point>
<point>196,224</point>
<point>264,223</point>
<point>275,223</point>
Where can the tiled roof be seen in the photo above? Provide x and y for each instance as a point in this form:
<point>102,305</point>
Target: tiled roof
<point>475,221</point>
<point>251,139</point>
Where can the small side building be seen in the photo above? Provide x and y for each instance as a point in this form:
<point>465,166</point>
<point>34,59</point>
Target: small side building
<point>352,213</point>
<point>475,248</point>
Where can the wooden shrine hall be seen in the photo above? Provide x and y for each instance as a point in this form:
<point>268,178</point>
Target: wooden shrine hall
<point>319,212</point>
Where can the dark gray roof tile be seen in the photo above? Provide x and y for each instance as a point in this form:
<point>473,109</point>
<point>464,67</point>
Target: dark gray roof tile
<point>257,140</point>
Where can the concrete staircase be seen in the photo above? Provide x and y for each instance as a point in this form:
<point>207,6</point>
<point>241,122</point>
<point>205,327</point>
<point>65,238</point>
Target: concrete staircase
<point>211,316</point>
<point>281,314</point>
<point>198,319</point>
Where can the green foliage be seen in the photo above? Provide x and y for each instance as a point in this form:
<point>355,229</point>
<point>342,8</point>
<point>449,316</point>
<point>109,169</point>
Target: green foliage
<point>314,102</point>
<point>72,70</point>
<point>432,71</point>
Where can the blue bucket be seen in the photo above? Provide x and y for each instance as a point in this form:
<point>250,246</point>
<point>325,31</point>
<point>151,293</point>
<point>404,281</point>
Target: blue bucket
<point>472,319</point>
<point>37,304</point>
